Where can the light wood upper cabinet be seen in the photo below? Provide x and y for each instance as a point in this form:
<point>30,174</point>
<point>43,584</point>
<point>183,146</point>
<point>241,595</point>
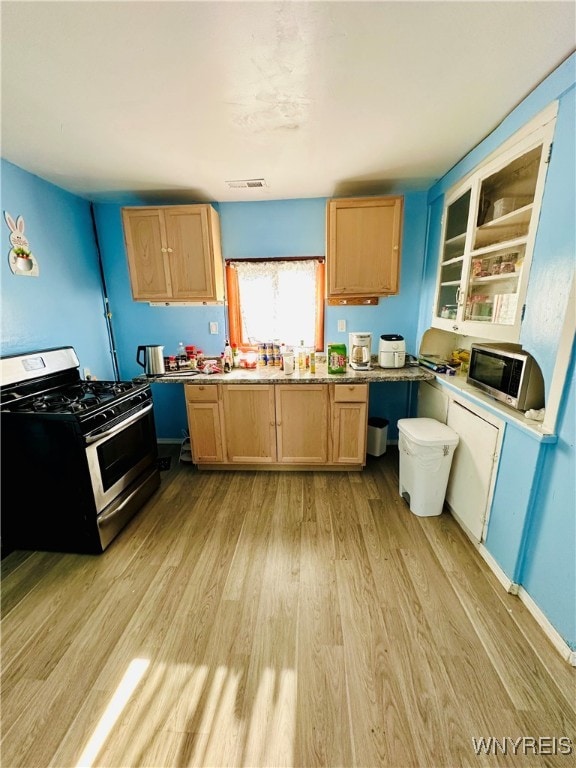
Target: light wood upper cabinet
<point>363,246</point>
<point>174,253</point>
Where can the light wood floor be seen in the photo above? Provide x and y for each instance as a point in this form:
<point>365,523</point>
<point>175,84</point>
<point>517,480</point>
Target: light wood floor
<point>274,619</point>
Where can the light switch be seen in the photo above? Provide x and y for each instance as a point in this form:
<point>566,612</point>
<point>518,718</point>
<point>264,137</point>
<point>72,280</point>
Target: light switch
<point>213,327</point>
<point>341,326</point>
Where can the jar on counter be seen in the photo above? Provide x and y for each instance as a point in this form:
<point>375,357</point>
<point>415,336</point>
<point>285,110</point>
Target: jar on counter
<point>288,363</point>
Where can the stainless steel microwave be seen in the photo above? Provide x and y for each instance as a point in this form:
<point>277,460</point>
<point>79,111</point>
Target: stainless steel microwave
<point>507,374</point>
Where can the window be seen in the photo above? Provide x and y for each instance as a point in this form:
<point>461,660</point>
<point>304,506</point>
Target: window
<point>276,299</point>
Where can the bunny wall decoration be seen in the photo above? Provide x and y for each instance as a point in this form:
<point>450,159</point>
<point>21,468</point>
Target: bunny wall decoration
<point>20,258</point>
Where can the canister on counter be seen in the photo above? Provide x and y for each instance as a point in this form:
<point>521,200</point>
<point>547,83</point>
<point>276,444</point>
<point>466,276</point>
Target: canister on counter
<point>337,358</point>
<point>288,363</point>
<point>261,354</point>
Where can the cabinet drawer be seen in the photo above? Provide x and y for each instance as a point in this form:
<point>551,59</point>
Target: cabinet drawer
<point>201,392</point>
<point>350,393</point>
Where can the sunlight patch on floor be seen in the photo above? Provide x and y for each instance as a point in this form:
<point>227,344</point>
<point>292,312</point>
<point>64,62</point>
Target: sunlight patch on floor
<point>210,714</point>
<point>127,686</point>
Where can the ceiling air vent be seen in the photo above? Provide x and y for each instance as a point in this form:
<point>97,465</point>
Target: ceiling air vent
<point>247,184</point>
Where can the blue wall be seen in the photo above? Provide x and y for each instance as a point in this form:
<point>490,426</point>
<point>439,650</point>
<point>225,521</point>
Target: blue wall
<point>63,305</point>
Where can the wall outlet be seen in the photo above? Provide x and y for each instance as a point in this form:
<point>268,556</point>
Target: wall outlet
<point>341,326</point>
<point>87,374</point>
<point>213,327</point>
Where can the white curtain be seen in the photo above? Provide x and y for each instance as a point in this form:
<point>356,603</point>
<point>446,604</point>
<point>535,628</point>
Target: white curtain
<point>277,301</point>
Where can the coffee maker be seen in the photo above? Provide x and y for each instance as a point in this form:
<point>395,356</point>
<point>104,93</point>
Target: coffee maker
<point>360,345</point>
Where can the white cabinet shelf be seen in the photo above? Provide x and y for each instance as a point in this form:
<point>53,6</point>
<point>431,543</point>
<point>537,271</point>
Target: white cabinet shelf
<point>489,228</point>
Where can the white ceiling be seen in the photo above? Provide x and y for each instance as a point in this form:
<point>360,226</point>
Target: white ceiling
<point>169,100</point>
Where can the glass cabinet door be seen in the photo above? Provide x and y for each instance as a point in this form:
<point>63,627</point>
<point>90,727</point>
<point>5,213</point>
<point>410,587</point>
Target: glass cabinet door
<point>452,259</point>
<point>505,206</point>
<point>489,229</point>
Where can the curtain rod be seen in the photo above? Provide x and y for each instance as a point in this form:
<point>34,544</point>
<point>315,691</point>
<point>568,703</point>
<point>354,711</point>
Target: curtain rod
<point>278,258</point>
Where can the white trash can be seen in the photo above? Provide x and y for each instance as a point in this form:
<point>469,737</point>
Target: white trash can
<point>426,448</point>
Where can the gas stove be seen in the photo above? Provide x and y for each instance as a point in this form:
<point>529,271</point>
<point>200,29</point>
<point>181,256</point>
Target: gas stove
<point>50,386</point>
<point>90,447</point>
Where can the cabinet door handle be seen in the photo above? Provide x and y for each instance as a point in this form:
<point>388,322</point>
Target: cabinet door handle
<point>163,250</point>
<point>169,250</point>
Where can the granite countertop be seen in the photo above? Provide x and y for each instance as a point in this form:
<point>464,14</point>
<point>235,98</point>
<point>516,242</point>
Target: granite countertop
<point>273,375</point>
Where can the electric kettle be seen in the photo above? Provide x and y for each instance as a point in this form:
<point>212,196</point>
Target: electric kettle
<point>153,362</point>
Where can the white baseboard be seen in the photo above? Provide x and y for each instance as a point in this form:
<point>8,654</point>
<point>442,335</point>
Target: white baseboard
<point>515,589</point>
<point>559,643</point>
<point>509,585</point>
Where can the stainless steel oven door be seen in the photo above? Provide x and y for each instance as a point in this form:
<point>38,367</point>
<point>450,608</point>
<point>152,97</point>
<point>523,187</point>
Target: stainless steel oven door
<point>119,456</point>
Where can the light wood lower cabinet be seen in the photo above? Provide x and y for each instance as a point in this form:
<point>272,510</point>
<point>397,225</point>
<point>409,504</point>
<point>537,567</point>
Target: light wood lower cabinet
<point>205,422</point>
<point>250,418</point>
<point>349,406</point>
<point>302,423</point>
<point>296,426</point>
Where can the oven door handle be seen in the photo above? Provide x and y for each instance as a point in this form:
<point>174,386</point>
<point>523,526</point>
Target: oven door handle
<point>119,427</point>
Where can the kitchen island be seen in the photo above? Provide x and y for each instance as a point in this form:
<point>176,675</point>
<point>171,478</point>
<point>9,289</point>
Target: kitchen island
<point>262,418</point>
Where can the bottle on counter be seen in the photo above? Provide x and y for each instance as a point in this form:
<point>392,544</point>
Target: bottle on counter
<point>181,356</point>
<point>228,357</point>
<point>312,360</point>
<point>235,356</point>
<point>302,357</point>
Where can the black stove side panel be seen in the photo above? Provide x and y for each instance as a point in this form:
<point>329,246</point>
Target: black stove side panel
<point>46,493</point>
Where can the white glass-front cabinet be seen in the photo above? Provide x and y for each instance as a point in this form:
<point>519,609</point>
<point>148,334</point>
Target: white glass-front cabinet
<point>488,232</point>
